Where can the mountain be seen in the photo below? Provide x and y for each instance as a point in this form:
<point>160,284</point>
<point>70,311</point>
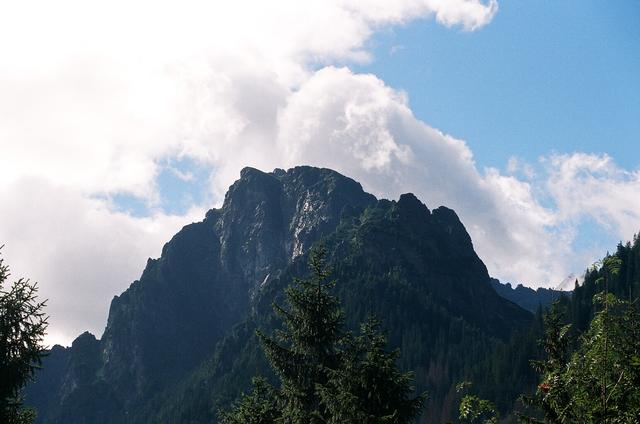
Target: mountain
<point>180,342</point>
<point>526,297</point>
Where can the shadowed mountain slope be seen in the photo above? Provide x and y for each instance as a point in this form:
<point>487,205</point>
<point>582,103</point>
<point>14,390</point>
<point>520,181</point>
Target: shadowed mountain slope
<point>180,340</point>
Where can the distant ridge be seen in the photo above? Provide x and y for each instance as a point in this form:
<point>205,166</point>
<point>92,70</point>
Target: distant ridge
<point>526,297</point>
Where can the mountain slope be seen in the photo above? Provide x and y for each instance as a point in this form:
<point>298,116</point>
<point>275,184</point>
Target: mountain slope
<point>416,270</point>
<point>181,338</point>
<point>171,319</point>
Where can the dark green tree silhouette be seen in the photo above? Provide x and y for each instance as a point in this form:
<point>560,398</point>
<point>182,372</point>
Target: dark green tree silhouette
<point>326,375</point>
<point>600,381</point>
<point>261,406</point>
<point>368,387</point>
<point>552,394</point>
<point>307,347</point>
<point>22,328</point>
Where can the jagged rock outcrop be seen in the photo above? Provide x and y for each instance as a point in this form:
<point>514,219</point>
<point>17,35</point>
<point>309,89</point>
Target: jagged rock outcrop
<point>169,320</point>
<point>526,297</point>
<point>186,326</point>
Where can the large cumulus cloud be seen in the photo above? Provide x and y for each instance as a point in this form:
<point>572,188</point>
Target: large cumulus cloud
<point>98,97</point>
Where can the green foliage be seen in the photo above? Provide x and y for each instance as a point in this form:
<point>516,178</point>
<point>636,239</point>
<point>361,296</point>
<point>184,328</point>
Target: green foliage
<point>307,347</point>
<point>474,410</point>
<point>22,328</point>
<point>552,394</point>
<point>326,375</point>
<point>603,372</point>
<point>600,381</point>
<point>618,274</point>
<point>368,387</point>
<point>19,416</point>
<point>261,406</point>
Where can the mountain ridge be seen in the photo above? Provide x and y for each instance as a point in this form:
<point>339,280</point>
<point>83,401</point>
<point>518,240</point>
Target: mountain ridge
<point>212,276</point>
<point>526,297</point>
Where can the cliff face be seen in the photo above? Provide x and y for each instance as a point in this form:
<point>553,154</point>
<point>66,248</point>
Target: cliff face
<point>185,301</point>
<point>414,267</point>
<point>202,283</point>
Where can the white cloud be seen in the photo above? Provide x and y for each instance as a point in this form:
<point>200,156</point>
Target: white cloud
<point>185,176</point>
<point>81,251</point>
<point>472,14</point>
<point>589,185</point>
<point>97,97</point>
<point>516,166</point>
<point>359,126</point>
<point>111,89</point>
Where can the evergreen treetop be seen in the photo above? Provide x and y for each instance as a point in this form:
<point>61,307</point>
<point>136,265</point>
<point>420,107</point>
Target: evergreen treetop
<point>307,347</point>
<point>326,375</point>
<point>22,328</point>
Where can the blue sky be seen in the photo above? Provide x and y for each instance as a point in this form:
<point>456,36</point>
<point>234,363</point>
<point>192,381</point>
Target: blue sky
<point>180,183</point>
<point>543,76</point>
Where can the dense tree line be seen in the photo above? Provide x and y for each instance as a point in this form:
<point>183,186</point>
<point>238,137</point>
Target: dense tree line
<point>326,374</point>
<point>586,366</point>
<point>318,364</point>
<point>592,374</point>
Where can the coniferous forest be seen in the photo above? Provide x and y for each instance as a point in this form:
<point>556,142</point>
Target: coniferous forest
<point>304,299</point>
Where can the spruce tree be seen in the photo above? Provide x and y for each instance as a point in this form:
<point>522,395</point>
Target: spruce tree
<point>326,375</point>
<point>604,373</point>
<point>368,387</point>
<point>307,348</point>
<point>22,328</point>
<point>552,394</point>
<point>607,362</point>
<point>261,406</point>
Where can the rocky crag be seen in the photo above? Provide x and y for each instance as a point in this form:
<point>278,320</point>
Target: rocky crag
<point>179,342</point>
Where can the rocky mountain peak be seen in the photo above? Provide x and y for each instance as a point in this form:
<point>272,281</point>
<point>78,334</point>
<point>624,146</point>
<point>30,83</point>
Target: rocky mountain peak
<point>211,272</point>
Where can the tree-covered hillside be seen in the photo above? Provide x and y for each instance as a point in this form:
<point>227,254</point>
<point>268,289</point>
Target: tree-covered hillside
<point>625,284</point>
<point>413,268</point>
<point>180,344</point>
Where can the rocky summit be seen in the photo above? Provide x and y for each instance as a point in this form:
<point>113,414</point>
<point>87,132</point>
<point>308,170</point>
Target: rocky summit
<point>179,342</point>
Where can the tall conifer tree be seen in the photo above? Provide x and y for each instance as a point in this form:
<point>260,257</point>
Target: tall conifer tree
<point>22,329</point>
<point>600,381</point>
<point>368,387</point>
<point>326,375</point>
<point>307,347</point>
